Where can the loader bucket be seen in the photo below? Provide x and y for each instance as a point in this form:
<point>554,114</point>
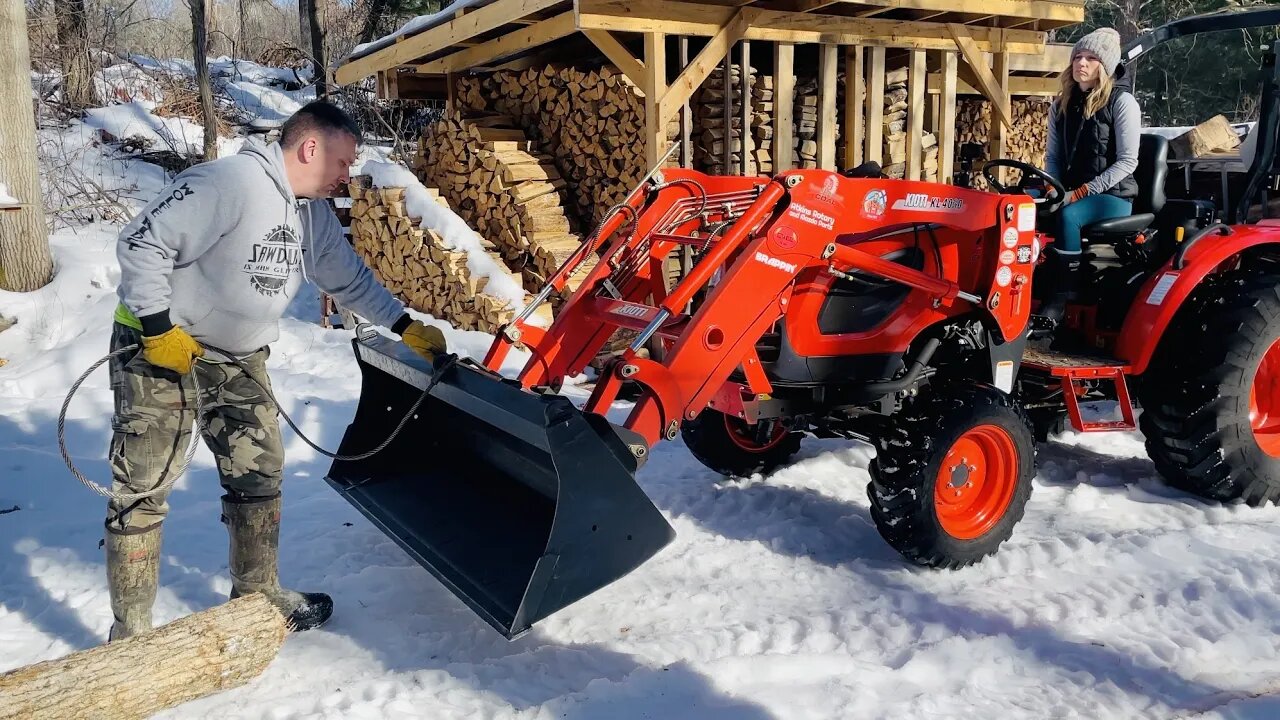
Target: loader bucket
<point>519,503</point>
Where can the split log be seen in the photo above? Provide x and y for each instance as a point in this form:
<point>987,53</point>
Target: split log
<point>416,264</point>
<point>1027,141</point>
<point>588,125</point>
<point>204,653</point>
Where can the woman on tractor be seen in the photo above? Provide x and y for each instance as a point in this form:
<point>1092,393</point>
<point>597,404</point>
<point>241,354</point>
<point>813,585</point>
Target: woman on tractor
<point>1094,128</point>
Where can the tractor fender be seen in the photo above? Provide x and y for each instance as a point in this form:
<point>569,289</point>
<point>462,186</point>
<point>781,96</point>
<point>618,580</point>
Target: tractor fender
<point>1165,292</point>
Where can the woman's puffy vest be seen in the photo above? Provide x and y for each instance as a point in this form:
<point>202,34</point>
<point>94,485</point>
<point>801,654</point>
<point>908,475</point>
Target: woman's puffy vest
<point>1089,147</point>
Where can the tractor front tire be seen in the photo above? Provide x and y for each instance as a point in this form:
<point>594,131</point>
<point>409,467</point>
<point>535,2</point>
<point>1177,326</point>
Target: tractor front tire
<point>952,475</point>
<point>731,447</point>
<point>1211,408</point>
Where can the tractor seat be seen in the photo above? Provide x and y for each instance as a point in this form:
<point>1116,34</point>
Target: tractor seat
<point>1126,226</point>
<point>1153,165</point>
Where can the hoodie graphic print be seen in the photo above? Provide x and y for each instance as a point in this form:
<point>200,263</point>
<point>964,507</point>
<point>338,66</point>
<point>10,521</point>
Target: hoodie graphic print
<point>224,248</point>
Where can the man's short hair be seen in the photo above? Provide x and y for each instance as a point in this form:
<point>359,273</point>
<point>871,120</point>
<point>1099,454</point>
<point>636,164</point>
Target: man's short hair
<point>317,116</point>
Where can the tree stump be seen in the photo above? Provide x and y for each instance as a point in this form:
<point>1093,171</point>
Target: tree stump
<point>201,654</point>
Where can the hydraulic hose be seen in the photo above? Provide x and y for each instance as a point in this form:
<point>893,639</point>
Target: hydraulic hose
<point>163,486</point>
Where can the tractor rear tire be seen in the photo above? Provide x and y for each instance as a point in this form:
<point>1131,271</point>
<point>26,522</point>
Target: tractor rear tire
<point>952,475</point>
<point>731,447</point>
<point>1211,409</point>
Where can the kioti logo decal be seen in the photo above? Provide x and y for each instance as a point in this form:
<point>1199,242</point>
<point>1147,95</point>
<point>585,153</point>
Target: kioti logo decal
<point>933,203</point>
<point>630,311</point>
<point>774,262</point>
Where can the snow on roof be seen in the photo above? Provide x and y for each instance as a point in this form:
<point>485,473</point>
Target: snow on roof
<point>414,26</point>
<point>6,200</point>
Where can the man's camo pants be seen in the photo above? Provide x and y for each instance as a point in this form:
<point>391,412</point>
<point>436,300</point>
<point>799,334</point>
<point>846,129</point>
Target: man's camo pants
<point>154,411</point>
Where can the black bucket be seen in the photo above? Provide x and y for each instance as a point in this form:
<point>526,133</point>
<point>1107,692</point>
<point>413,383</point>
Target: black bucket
<point>519,503</point>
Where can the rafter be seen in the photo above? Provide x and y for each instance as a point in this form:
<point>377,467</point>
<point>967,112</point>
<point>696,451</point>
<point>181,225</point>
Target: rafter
<point>509,44</point>
<point>481,20</point>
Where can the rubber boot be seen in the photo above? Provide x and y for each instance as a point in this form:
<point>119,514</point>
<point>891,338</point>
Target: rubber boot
<point>133,574</point>
<point>254,528</point>
<point>1064,279</point>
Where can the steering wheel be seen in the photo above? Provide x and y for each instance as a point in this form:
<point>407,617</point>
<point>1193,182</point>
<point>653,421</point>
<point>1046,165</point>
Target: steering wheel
<point>1059,193</point>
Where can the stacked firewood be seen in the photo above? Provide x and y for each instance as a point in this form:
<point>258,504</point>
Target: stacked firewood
<point>762,122</point>
<point>805,137</point>
<point>504,189</point>
<point>709,142</point>
<point>1026,141</point>
<point>895,131</point>
<point>589,123</point>
<point>417,265</point>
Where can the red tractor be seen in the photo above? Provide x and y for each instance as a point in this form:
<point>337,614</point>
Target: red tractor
<point>835,305</point>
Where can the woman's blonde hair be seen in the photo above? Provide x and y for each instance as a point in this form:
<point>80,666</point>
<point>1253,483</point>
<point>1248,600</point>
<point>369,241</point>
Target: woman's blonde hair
<point>1097,98</point>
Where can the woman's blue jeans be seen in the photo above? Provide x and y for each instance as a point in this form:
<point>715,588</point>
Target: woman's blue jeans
<point>1089,209</point>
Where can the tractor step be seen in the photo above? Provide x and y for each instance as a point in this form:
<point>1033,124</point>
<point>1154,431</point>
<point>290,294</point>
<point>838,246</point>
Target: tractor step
<point>1072,369</point>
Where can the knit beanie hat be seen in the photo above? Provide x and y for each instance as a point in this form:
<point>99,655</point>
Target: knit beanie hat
<point>1103,42</point>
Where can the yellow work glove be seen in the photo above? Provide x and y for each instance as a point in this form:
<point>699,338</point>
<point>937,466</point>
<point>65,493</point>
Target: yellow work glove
<point>173,349</point>
<point>426,340</point>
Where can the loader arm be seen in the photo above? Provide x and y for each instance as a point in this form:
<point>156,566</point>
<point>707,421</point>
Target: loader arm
<point>754,237</point>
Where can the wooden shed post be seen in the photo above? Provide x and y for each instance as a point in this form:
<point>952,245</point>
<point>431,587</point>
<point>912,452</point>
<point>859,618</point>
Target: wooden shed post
<point>917,78</point>
<point>686,113</point>
<point>999,141</point>
<point>947,120</point>
<point>827,67</point>
<point>784,98</point>
<point>875,106</point>
<point>655,67</point>
<point>854,86</point>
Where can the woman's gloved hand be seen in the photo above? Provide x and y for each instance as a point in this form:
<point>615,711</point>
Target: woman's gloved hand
<point>426,340</point>
<point>173,349</point>
<point>1079,193</point>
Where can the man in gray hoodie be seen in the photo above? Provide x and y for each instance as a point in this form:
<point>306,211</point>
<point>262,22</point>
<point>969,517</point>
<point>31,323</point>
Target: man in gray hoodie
<point>206,271</point>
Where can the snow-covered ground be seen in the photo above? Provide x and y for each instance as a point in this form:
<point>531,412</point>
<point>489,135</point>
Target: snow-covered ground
<point>1116,597</point>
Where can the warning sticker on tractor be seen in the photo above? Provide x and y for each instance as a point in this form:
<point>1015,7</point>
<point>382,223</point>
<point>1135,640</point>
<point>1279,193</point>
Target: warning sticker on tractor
<point>1026,217</point>
<point>811,216</point>
<point>1004,375</point>
<point>1161,290</point>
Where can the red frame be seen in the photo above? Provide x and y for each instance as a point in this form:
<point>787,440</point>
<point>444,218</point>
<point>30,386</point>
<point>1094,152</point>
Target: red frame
<point>1146,322</point>
<point>772,263</point>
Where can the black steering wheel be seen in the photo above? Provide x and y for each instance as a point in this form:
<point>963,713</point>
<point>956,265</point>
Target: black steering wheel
<point>1059,193</point>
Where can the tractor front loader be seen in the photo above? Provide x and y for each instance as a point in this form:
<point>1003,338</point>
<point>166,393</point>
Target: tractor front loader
<point>816,302</point>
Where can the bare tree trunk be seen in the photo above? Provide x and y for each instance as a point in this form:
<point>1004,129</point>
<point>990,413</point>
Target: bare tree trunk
<point>25,261</point>
<point>376,9</point>
<point>318,55</point>
<point>73,47</point>
<point>304,27</point>
<point>1129,25</point>
<point>200,39</point>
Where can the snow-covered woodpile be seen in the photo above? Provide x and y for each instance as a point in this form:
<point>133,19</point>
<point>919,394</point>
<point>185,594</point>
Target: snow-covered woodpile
<point>591,123</point>
<point>513,195</point>
<point>417,265</point>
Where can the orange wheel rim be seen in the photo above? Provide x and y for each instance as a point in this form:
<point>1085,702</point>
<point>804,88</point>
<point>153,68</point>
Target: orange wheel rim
<point>976,482</point>
<point>1264,402</point>
<point>746,437</point>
